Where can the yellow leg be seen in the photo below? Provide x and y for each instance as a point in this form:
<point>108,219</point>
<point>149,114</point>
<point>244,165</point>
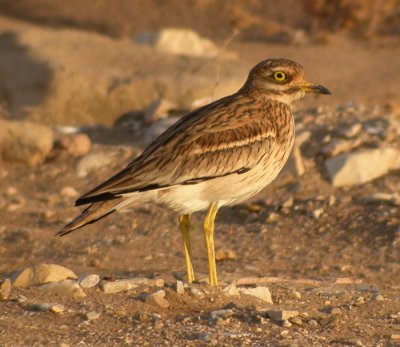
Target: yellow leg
<point>184,223</point>
<point>209,236</point>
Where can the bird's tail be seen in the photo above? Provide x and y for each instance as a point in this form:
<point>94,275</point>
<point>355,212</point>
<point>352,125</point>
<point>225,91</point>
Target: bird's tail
<point>93,213</point>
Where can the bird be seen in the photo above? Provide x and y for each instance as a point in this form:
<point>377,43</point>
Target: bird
<point>217,155</point>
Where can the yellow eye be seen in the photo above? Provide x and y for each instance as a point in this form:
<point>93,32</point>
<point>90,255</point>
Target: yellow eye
<point>279,76</point>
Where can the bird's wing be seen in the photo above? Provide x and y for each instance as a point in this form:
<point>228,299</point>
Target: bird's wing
<point>227,137</point>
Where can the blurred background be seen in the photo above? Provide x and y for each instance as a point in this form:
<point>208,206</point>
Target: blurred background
<point>90,61</point>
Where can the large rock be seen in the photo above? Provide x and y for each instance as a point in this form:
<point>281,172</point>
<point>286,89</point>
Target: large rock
<point>25,141</point>
<point>40,274</point>
<point>362,166</point>
<point>180,41</point>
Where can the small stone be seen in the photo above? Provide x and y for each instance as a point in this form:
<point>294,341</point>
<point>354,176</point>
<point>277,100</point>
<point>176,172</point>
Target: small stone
<point>76,144</point>
<point>180,42</point>
<point>273,217</point>
<point>378,297</point>
<point>330,322</point>
<point>252,207</point>
<point>197,292</point>
<point>24,141</point>
<point>92,162</point>
<point>295,166</point>
<point>296,320</point>
<point>224,313</point>
<point>395,336</point>
<point>67,287</point>
<point>284,333</point>
<point>231,290</point>
<point>92,315</point>
<point>39,274</point>
<point>281,315</point>
<point>286,324</point>
<point>335,311</point>
<point>313,323</point>
<point>318,212</point>
<point>295,294</point>
<point>360,301</point>
<point>157,298</point>
<point>225,254</point>
<point>69,192</point>
<point>261,293</point>
<point>5,289</point>
<point>21,299</point>
<point>180,288</point>
<point>288,203</point>
<point>112,287</point>
<point>89,281</point>
<point>57,308</point>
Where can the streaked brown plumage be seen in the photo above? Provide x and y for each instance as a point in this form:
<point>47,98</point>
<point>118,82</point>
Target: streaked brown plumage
<point>220,154</point>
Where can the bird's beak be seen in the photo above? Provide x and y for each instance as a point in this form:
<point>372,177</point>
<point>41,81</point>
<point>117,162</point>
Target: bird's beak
<point>312,88</point>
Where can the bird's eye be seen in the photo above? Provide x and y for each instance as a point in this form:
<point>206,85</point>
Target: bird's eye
<point>279,76</point>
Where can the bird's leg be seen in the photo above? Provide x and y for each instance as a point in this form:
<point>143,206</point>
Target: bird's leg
<point>209,236</point>
<point>184,223</point>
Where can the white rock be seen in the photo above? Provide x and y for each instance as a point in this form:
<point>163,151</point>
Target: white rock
<point>231,290</point>
<point>112,287</point>
<point>158,298</point>
<point>69,192</point>
<point>350,130</point>
<point>224,313</point>
<point>362,166</point>
<point>181,41</point>
<point>89,281</point>
<point>67,287</point>
<point>261,293</point>
<point>92,315</point>
<point>180,288</point>
<point>5,289</point>
<point>39,274</point>
<point>92,162</point>
<point>25,141</point>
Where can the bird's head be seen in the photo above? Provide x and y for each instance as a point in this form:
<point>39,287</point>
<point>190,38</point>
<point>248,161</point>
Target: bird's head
<point>282,80</point>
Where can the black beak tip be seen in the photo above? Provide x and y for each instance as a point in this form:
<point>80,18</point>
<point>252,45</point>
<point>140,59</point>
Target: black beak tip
<point>323,90</point>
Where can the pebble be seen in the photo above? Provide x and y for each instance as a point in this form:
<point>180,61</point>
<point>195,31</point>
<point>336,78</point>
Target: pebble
<point>5,289</point>
<point>318,212</point>
<point>282,315</point>
<point>296,321</point>
<point>350,130</point>
<point>231,290</point>
<point>69,192</point>
<point>24,141</point>
<point>180,288</point>
<point>295,294</point>
<point>157,298</point>
<point>89,281</point>
<point>261,293</point>
<point>76,144</point>
<point>335,311</point>
<point>378,297</point>
<point>112,287</point>
<point>92,315</point>
<point>46,307</point>
<point>395,337</point>
<point>224,313</point>
<point>92,162</point>
<point>69,288</point>
<point>313,323</point>
<point>39,274</point>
